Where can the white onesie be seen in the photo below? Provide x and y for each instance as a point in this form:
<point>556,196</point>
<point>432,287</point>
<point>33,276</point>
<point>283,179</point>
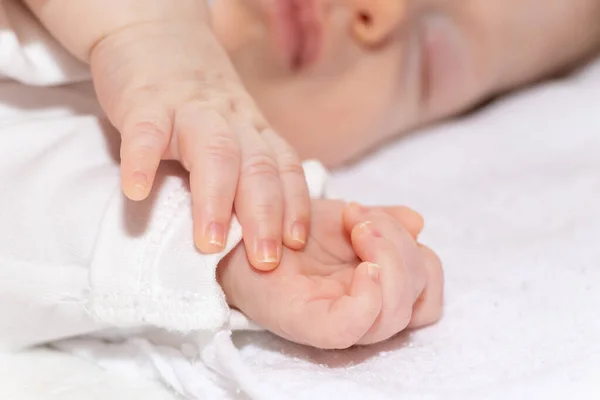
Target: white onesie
<point>76,257</point>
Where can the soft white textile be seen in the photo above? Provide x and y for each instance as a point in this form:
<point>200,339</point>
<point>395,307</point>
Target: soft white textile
<point>510,195</point>
<point>511,198</point>
<point>76,257</point>
<point>69,221</point>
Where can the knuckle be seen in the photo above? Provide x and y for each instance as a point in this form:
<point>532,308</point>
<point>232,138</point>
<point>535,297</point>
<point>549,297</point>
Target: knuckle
<point>150,131</point>
<point>135,97</point>
<point>217,200</point>
<point>431,312</point>
<point>210,100</point>
<point>137,93</point>
<point>223,150</point>
<point>260,165</point>
<point>343,338</point>
<point>291,166</point>
<point>264,213</point>
<point>142,152</point>
<point>400,314</point>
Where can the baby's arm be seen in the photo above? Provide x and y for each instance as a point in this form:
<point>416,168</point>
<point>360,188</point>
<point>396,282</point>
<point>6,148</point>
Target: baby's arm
<point>169,88</point>
<point>80,25</point>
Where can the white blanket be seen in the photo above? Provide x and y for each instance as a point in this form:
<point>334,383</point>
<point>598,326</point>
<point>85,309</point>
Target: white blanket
<point>510,195</point>
<point>511,198</point>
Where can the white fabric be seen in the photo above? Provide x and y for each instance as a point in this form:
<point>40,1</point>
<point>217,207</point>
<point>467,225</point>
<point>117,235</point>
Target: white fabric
<point>28,54</point>
<point>510,195</point>
<point>76,257</point>
<point>48,375</point>
<point>144,267</point>
<point>66,222</point>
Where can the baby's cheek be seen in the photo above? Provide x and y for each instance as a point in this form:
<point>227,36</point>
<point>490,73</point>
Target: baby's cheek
<point>450,78</point>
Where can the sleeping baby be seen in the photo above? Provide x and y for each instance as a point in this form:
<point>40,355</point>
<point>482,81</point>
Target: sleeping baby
<point>238,92</point>
<point>172,257</point>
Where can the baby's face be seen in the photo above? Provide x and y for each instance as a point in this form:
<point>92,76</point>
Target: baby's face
<point>361,70</point>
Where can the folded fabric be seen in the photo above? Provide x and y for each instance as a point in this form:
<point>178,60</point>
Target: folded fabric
<point>157,276</point>
<point>176,291</point>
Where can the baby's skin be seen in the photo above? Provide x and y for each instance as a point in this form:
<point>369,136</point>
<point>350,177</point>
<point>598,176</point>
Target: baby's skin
<point>233,93</point>
<point>362,278</point>
<point>168,86</point>
<point>334,78</point>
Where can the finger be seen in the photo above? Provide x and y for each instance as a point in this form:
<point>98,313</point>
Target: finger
<point>412,221</point>
<point>428,308</point>
<point>259,201</point>
<point>386,243</point>
<point>337,323</point>
<point>145,137</point>
<point>295,192</point>
<point>395,232</point>
<point>209,149</point>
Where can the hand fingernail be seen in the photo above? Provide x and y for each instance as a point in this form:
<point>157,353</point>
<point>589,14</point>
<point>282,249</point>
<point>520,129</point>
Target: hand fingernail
<point>139,186</point>
<point>216,234</point>
<point>374,271</point>
<point>267,251</point>
<point>368,228</point>
<point>299,232</point>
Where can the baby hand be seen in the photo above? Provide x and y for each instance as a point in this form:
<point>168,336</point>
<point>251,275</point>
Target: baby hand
<point>361,279</point>
<point>172,93</point>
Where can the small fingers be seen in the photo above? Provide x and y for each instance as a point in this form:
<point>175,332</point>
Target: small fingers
<point>371,245</point>
<point>381,238</point>
<point>145,137</point>
<point>295,192</point>
<point>412,221</point>
<point>409,218</point>
<point>259,201</point>
<point>338,323</point>
<point>209,149</point>
<point>428,308</point>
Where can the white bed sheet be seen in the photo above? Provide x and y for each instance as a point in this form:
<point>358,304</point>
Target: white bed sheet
<point>511,195</point>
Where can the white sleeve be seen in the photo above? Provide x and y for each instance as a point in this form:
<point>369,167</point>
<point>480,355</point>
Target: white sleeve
<point>146,270</point>
<point>29,54</point>
<point>75,255</point>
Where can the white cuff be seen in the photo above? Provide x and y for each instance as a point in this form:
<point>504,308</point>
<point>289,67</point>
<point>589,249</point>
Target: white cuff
<point>154,275</point>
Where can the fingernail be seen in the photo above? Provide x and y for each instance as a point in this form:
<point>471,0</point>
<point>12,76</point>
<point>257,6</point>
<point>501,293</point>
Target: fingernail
<point>267,251</point>
<point>216,234</point>
<point>299,232</point>
<point>374,271</point>
<point>368,227</point>
<point>140,185</point>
